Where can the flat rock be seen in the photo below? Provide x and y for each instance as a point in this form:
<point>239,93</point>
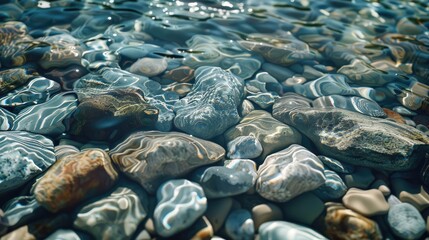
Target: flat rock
<point>115,216</point>
<point>279,230</point>
<point>366,202</point>
<point>152,157</point>
<point>289,173</point>
<point>23,155</point>
<point>358,139</point>
<point>180,204</point>
<point>271,133</point>
<point>244,147</point>
<point>74,178</point>
<point>333,188</point>
<point>239,225</point>
<point>343,223</point>
<point>405,221</point>
<point>211,106</point>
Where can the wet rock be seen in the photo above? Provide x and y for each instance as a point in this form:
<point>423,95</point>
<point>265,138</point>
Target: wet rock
<point>356,138</point>
<point>6,119</point>
<point>244,165</point>
<point>244,147</point>
<point>405,221</point>
<point>182,74</point>
<point>115,216</point>
<point>113,114</point>
<point>366,202</point>
<point>411,192</point>
<point>303,209</point>
<point>211,107</point>
<point>67,234</point>
<point>333,188</point>
<point>277,230</point>
<point>180,204</point>
<point>149,67</point>
<point>11,79</point>
<point>361,178</point>
<point>343,223</point>
<point>404,111</point>
<point>23,155</point>
<point>20,211</point>
<point>263,213</point>
<point>47,118</point>
<point>217,211</point>
<point>74,178</point>
<point>355,104</point>
<point>239,225</point>
<point>289,173</point>
<point>382,186</point>
<point>263,100</point>
<point>151,158</point>
<point>336,165</point>
<point>364,74</point>
<point>272,134</point>
<point>245,108</point>
<point>200,230</point>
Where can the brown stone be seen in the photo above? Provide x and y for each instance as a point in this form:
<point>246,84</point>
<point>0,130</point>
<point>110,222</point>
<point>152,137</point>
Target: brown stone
<point>394,115</point>
<point>366,202</point>
<point>264,213</point>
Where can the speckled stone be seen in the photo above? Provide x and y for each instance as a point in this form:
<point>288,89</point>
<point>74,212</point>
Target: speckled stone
<point>405,221</point>
<point>358,139</point>
<point>239,225</point>
<point>303,209</point>
<point>360,178</point>
<point>333,188</point>
<point>272,134</point>
<point>289,173</point>
<point>343,223</point>
<point>116,215</point>
<point>211,106</point>
<point>74,178</point>
<point>244,147</point>
<point>366,202</point>
<point>281,230</point>
<point>180,204</point>
<point>23,155</point>
<point>263,213</point>
<point>152,157</point>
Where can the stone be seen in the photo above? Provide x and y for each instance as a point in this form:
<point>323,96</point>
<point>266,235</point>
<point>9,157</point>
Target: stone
<point>180,204</point>
<point>200,230</point>
<point>6,119</point>
<point>263,83</point>
<point>245,108</point>
<point>220,181</point>
<point>404,111</point>
<point>411,192</point>
<point>355,104</point>
<point>23,155</point>
<point>361,73</point>
<point>116,216</point>
<point>152,157</point>
<point>303,209</point>
<point>289,173</point>
<point>245,165</point>
<point>182,74</point>
<point>244,147</point>
<point>20,211</point>
<point>382,186</point>
<point>67,234</point>
<point>47,118</point>
<point>366,202</point>
<point>333,188</point>
<point>239,225</point>
<point>74,178</point>
<point>343,223</point>
<point>266,212</point>
<point>263,100</point>
<point>11,79</point>
<point>336,166</point>
<point>211,106</point>
<point>405,221</point>
<point>272,134</point>
<point>113,114</point>
<point>394,116</point>
<point>149,67</point>
<point>361,178</point>
<point>358,139</point>
<point>217,211</point>
<point>279,230</point>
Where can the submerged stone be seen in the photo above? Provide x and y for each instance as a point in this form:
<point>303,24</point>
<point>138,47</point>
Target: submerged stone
<point>279,230</point>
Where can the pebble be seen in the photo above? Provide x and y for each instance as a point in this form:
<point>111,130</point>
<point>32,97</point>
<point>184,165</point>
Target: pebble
<point>246,165</point>
<point>217,211</point>
<point>361,178</point>
<point>355,104</point>
<point>382,186</point>
<point>336,166</point>
<point>244,147</point>
<point>23,155</point>
<point>20,211</point>
<point>411,192</point>
<point>182,74</point>
<point>200,230</point>
<point>281,230</point>
<point>303,209</point>
<point>406,222</point>
<point>263,100</point>
<point>333,188</point>
<point>6,119</point>
<point>149,67</point>
<point>404,111</point>
<point>266,212</point>
<point>71,180</point>
<point>11,79</point>
<point>272,134</point>
<point>394,116</point>
<point>239,225</point>
<point>148,157</point>
<point>245,108</point>
<point>67,234</point>
<point>180,204</point>
<point>366,202</point>
<point>289,173</point>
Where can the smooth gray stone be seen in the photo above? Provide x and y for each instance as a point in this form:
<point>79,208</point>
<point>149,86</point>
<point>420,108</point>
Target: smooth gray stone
<point>239,225</point>
<point>291,101</point>
<point>47,118</point>
<point>6,119</point>
<point>244,147</point>
<point>21,210</point>
<point>333,188</point>
<point>358,139</point>
<point>361,73</point>
<point>288,173</point>
<point>115,216</point>
<point>245,108</point>
<point>336,165</point>
<point>23,155</point>
<point>404,111</point>
<point>245,165</point>
<point>405,221</point>
<point>355,104</point>
<point>67,234</point>
<point>281,230</point>
<point>263,100</point>
<point>211,106</point>
<point>180,204</point>
<point>220,182</point>
<point>263,83</point>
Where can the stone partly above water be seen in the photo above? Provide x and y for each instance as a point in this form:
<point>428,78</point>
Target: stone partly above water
<point>74,178</point>
<point>23,155</point>
<point>152,157</point>
<point>117,214</point>
<point>211,106</point>
<point>358,139</point>
<point>180,204</point>
<point>288,173</point>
